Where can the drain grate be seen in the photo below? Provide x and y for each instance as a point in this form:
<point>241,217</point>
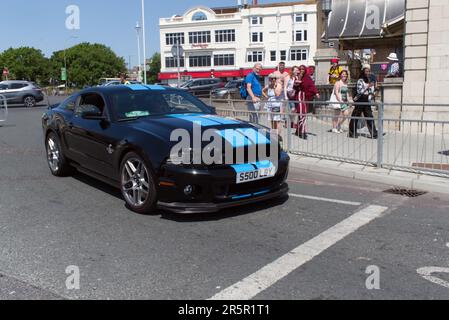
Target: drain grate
<point>410,193</point>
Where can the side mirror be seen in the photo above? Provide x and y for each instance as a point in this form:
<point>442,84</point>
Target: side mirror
<point>89,112</point>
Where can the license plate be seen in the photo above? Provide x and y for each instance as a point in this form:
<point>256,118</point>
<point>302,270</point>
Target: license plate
<point>255,175</point>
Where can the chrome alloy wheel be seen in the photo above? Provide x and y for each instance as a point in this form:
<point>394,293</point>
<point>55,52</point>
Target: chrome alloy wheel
<point>53,154</point>
<point>135,182</point>
<point>29,102</point>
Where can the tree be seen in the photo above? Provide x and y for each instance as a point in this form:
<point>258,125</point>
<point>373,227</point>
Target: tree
<point>154,68</point>
<point>25,63</point>
<point>87,63</point>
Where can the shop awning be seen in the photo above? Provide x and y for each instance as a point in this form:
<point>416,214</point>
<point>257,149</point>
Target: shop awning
<point>364,19</point>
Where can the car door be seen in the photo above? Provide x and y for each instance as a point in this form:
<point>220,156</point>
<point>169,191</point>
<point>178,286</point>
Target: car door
<point>14,92</point>
<point>90,140</point>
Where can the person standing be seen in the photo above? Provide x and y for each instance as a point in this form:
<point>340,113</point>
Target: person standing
<point>123,79</point>
<point>281,74</point>
<point>275,99</point>
<point>365,90</point>
<point>307,93</point>
<point>254,89</point>
<point>341,109</point>
<point>291,93</point>
<point>335,71</point>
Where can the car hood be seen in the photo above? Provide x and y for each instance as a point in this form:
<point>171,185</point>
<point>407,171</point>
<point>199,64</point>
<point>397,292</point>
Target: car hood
<point>164,126</point>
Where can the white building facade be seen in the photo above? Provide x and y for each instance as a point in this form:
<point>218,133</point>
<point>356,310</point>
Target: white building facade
<point>227,42</point>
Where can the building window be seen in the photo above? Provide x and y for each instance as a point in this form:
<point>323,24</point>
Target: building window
<point>256,37</point>
<point>224,60</point>
<point>301,17</point>
<point>199,37</point>
<point>225,36</point>
<point>299,55</point>
<point>199,16</point>
<point>255,56</point>
<point>273,56</point>
<point>255,21</point>
<point>172,38</point>
<point>172,62</point>
<point>200,61</point>
<point>300,35</point>
<point>283,55</point>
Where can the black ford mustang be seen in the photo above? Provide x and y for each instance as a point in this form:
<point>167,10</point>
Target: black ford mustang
<point>123,135</point>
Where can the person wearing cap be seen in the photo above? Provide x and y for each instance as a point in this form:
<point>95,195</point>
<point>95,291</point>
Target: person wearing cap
<point>365,90</point>
<point>394,68</point>
<point>335,71</point>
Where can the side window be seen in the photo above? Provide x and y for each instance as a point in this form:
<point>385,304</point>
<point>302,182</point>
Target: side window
<point>16,86</point>
<point>69,104</point>
<point>3,86</point>
<point>93,99</point>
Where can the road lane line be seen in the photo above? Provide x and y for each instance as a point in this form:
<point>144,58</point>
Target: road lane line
<point>427,273</point>
<point>350,203</point>
<point>261,280</point>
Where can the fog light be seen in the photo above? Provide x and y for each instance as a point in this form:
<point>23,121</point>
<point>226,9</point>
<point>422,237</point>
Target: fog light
<point>188,190</point>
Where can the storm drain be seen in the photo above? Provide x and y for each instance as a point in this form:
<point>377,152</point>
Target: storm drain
<point>410,193</point>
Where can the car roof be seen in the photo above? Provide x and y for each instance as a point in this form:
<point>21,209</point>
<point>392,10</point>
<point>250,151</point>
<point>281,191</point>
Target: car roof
<point>129,88</point>
<point>16,81</point>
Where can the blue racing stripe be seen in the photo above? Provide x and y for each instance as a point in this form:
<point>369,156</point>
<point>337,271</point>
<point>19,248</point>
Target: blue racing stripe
<point>136,87</point>
<point>242,197</point>
<point>221,120</point>
<point>263,164</point>
<point>235,138</point>
<point>155,87</point>
<point>254,135</point>
<point>261,193</point>
<point>239,168</point>
<point>204,121</point>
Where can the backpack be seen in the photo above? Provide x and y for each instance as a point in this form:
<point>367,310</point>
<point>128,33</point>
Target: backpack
<point>243,91</point>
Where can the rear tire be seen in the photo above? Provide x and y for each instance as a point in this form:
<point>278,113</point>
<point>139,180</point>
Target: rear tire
<point>56,160</point>
<point>29,102</point>
<point>137,184</point>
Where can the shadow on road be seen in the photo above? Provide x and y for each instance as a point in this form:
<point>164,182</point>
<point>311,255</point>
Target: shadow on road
<point>177,217</point>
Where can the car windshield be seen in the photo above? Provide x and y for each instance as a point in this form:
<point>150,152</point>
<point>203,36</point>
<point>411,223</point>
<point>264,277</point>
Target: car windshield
<point>145,104</point>
<point>188,83</point>
<point>232,85</point>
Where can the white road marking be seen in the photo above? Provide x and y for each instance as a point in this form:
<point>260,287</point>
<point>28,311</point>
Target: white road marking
<point>259,281</point>
<point>427,272</point>
<point>350,203</point>
<point>447,244</point>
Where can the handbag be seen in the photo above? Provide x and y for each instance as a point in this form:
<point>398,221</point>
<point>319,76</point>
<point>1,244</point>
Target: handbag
<point>334,103</point>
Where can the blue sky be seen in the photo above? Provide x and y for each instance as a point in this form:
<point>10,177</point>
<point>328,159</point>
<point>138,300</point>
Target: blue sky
<point>41,23</point>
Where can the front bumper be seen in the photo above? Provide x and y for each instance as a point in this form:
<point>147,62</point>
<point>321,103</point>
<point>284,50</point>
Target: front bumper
<point>215,188</point>
<point>190,208</point>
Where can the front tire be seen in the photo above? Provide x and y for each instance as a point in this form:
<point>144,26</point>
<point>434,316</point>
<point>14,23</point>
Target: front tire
<point>137,184</point>
<point>29,102</point>
<point>56,160</point>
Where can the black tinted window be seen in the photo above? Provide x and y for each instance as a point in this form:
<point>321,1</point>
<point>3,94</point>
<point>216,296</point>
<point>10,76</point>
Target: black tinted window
<point>17,85</point>
<point>3,86</point>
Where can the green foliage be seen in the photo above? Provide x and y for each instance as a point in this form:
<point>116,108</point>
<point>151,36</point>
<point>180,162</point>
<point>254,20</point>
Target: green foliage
<point>87,64</point>
<point>154,68</point>
<point>25,64</point>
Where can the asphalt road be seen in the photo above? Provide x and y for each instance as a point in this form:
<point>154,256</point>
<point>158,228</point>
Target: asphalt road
<point>317,244</point>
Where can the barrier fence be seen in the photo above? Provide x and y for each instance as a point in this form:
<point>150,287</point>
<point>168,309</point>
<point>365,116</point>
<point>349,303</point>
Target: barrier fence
<point>408,144</point>
<point>3,109</point>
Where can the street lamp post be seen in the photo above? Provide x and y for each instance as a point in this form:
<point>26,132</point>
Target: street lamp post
<point>278,20</point>
<point>65,63</point>
<point>139,78</point>
<point>144,44</point>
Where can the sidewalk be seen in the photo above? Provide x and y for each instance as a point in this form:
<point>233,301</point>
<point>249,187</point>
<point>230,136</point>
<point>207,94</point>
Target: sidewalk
<point>392,178</point>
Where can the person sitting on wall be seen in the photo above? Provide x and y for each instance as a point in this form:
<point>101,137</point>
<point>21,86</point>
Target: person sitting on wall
<point>335,71</point>
<point>394,70</point>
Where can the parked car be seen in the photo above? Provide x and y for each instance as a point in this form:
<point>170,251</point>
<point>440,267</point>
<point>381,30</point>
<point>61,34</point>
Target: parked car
<point>122,135</point>
<point>21,92</point>
<point>202,87</point>
<point>230,91</point>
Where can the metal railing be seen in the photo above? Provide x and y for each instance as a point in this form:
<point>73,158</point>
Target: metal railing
<point>414,145</point>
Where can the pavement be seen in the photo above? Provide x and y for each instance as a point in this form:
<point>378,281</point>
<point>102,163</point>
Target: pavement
<point>335,237</point>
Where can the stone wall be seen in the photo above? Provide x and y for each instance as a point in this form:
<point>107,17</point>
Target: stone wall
<point>426,65</point>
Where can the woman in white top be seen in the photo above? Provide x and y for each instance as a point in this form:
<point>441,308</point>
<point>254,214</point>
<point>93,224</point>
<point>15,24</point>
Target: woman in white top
<point>275,101</point>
